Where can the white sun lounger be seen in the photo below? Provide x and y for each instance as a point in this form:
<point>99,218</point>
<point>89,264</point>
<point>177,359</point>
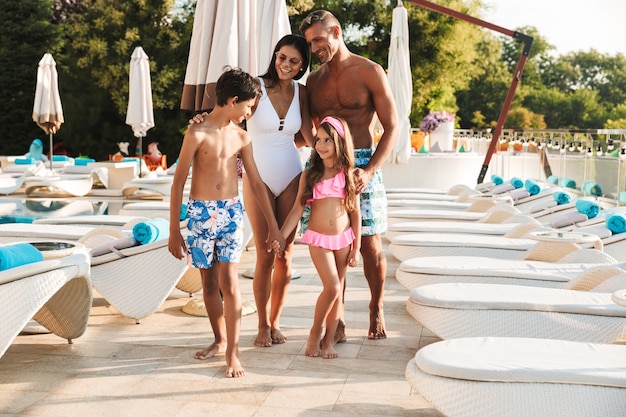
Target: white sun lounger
<point>521,377</point>
<point>56,293</point>
<point>544,269</point>
<point>469,310</point>
<point>60,185</point>
<point>142,187</point>
<point>135,280</point>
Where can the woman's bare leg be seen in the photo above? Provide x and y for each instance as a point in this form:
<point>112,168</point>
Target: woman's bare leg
<point>281,278</point>
<point>262,280</point>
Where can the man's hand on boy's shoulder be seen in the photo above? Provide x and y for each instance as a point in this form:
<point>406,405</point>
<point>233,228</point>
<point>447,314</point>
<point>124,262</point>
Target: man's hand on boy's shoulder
<point>198,118</point>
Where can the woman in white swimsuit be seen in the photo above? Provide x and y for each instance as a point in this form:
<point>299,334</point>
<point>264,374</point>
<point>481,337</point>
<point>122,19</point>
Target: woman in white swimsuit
<point>281,113</point>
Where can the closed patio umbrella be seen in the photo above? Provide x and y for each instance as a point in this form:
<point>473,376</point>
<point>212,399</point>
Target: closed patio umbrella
<point>47,109</point>
<point>400,81</point>
<point>236,33</point>
<point>139,115</point>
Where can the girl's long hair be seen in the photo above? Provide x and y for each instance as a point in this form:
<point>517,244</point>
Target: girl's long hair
<point>344,151</point>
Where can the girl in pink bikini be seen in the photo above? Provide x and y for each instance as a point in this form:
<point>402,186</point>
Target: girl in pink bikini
<point>334,231</point>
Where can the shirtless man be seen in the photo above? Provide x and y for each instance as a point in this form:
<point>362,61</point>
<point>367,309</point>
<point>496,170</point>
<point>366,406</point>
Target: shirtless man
<point>354,88</point>
<point>215,211</point>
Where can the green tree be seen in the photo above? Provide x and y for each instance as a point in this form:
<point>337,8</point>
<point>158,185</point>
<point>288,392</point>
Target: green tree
<point>26,34</point>
<point>101,41</point>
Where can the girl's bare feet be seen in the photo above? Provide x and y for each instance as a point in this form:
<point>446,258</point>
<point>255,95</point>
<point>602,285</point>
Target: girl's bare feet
<point>313,344</point>
<point>234,368</point>
<point>211,351</point>
<point>263,338</point>
<point>278,337</point>
<point>329,352</point>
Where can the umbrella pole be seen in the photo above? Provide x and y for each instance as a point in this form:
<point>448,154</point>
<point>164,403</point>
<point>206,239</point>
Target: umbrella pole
<point>140,157</point>
<point>51,141</point>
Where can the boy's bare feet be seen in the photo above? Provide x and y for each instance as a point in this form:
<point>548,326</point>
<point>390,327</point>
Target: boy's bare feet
<point>263,338</point>
<point>277,336</point>
<point>234,368</point>
<point>377,324</point>
<point>211,351</point>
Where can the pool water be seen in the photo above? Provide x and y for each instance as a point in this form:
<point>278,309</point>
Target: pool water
<point>28,210</point>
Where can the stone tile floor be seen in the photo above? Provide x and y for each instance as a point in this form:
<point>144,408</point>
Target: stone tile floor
<point>119,368</point>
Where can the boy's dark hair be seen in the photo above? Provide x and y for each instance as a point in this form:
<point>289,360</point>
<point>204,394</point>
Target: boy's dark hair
<point>298,42</point>
<point>235,82</point>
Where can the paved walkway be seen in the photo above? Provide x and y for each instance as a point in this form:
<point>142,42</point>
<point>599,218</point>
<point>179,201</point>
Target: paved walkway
<point>119,368</point>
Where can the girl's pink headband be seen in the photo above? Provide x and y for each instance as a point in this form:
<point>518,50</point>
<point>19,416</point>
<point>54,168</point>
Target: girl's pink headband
<point>336,124</point>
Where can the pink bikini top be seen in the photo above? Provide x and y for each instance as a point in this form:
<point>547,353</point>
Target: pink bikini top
<point>331,187</point>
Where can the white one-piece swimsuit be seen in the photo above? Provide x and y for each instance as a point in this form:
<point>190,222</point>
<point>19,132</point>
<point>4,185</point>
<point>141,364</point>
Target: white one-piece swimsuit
<point>275,153</point>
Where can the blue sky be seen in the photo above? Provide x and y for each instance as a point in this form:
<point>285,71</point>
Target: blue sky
<point>569,25</point>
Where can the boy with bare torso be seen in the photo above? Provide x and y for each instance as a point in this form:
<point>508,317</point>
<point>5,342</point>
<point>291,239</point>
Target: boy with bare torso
<point>215,211</point>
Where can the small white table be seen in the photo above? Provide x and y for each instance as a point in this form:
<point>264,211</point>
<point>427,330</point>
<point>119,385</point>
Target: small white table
<point>545,250</point>
<point>619,297</point>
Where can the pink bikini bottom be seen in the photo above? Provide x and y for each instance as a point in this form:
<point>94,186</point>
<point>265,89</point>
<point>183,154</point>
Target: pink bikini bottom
<point>330,242</point>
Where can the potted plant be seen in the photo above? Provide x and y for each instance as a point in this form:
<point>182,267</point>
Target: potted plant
<point>439,125</point>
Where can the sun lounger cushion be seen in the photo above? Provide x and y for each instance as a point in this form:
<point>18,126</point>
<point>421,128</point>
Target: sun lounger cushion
<point>463,240</point>
<point>18,254</point>
<point>493,267</point>
<point>568,219</point>
<point>151,230</point>
<point>616,223</point>
<point>588,207</point>
<point>519,194</point>
<point>113,246</point>
<point>435,214</point>
<point>463,296</point>
<point>525,360</point>
<point>24,161</point>
<point>502,188</point>
<point>561,197</point>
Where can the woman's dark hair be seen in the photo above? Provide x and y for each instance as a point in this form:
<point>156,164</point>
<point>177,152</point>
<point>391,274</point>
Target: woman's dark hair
<point>298,42</point>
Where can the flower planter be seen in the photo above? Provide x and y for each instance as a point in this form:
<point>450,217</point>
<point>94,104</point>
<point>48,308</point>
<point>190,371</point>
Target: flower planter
<point>443,135</point>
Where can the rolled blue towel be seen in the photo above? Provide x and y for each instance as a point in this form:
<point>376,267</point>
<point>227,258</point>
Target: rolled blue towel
<point>18,254</point>
<point>183,212</point>
<point>616,223</point>
<point>83,161</point>
<point>517,182</point>
<point>590,187</point>
<point>496,179</point>
<point>561,197</point>
<point>567,183</point>
<point>553,179</point>
<point>24,161</point>
<point>588,207</point>
<point>532,187</point>
<point>151,230</point>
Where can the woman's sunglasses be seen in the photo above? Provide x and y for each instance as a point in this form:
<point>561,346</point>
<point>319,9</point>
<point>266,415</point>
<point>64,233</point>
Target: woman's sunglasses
<point>293,60</point>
